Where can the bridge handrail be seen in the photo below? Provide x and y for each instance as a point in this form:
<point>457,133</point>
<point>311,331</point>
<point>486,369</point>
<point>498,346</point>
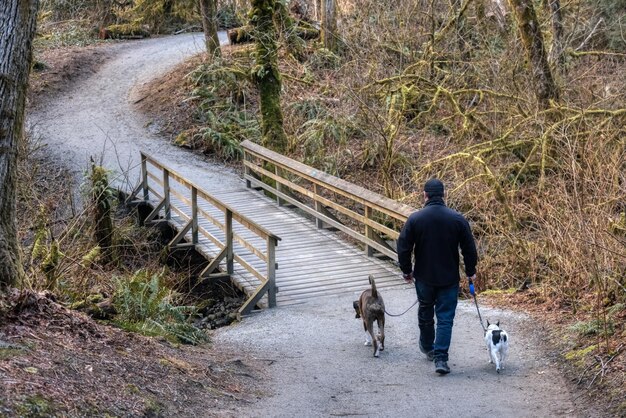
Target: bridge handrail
<point>256,161</point>
<point>268,281</point>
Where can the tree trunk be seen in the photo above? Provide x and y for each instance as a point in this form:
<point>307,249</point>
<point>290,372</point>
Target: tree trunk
<point>208,10</point>
<point>554,8</point>
<point>532,39</point>
<point>17,27</point>
<point>101,202</point>
<point>289,31</point>
<point>329,25</point>
<point>318,9</point>
<point>267,75</point>
<point>462,32</point>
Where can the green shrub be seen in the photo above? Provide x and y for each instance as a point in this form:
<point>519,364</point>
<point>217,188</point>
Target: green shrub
<point>222,93</point>
<point>147,307</point>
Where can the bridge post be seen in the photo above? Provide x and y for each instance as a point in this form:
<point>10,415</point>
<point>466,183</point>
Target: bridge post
<point>369,232</point>
<point>318,208</point>
<point>246,169</point>
<point>166,193</point>
<point>194,215</point>
<point>144,176</point>
<point>271,271</point>
<point>228,230</point>
<point>279,187</point>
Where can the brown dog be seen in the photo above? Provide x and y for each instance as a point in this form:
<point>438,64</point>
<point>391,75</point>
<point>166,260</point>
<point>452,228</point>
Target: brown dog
<point>370,307</point>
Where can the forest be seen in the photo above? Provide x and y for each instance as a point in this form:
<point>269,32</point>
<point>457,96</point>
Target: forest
<point>518,106</point>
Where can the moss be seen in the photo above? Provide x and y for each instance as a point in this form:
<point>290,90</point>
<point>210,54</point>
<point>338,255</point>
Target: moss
<point>10,352</point>
<point>36,406</point>
<point>125,30</point>
<point>508,291</point>
<point>266,74</point>
<point>50,264</point>
<point>578,356</point>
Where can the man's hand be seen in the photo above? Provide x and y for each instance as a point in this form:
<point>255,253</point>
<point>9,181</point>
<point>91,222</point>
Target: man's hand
<point>408,277</point>
<point>471,284</point>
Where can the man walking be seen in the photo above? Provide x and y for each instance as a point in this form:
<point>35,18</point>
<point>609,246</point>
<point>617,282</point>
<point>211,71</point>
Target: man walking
<point>434,234</point>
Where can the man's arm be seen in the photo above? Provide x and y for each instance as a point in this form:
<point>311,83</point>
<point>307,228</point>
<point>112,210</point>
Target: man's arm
<point>406,242</point>
<point>468,249</point>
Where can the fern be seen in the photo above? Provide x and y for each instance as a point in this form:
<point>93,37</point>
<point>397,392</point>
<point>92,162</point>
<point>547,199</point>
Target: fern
<point>147,307</point>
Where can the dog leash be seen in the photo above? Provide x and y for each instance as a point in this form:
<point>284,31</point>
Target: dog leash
<point>409,308</point>
<point>473,293</point>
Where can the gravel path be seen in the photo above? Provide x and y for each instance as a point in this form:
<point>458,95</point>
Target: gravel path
<point>96,117</point>
<point>317,364</point>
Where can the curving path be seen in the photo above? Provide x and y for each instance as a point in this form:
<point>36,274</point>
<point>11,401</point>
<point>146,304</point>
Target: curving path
<point>316,363</point>
<point>95,117</point>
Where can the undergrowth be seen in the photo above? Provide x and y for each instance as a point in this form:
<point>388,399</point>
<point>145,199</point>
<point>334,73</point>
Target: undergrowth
<point>225,117</point>
<point>63,254</point>
<point>146,306</point>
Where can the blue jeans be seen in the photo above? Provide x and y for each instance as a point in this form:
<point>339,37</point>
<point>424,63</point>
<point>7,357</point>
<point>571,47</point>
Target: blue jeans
<point>442,302</point>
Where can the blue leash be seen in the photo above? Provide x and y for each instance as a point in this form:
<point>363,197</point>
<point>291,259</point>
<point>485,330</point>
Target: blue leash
<point>473,293</point>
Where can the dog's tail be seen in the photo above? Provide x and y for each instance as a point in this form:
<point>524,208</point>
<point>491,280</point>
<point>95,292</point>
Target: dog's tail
<point>373,283</point>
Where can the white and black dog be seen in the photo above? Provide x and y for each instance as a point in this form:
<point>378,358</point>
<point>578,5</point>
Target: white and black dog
<point>497,341</point>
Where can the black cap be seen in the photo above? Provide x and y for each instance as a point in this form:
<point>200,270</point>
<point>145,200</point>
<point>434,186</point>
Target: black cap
<point>434,188</point>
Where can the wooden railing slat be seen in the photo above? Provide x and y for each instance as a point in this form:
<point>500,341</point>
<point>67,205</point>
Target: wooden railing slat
<point>313,195</point>
<point>380,203</point>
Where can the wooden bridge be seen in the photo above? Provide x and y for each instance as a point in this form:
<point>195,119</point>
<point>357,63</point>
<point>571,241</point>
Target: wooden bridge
<point>294,233</point>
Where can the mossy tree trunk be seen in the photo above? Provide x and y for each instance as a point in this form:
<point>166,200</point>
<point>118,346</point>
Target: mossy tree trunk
<point>101,196</point>
<point>208,10</point>
<point>554,8</point>
<point>267,75</point>
<point>532,39</point>
<point>329,25</point>
<point>289,31</point>
<point>17,28</point>
<point>462,32</point>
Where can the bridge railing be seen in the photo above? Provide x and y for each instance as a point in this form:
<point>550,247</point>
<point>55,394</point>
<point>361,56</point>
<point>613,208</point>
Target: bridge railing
<point>360,213</point>
<point>199,213</point>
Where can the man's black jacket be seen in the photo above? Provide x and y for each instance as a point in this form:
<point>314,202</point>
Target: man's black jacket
<point>435,234</point>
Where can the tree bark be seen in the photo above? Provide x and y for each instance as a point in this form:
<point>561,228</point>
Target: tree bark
<point>462,32</point>
<point>329,25</point>
<point>101,202</point>
<point>532,39</point>
<point>208,10</point>
<point>267,75</point>
<point>17,28</point>
<point>318,9</point>
<point>554,8</point>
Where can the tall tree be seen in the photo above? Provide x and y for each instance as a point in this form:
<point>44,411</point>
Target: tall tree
<point>266,73</point>
<point>554,9</point>
<point>329,25</point>
<point>208,10</point>
<point>532,38</point>
<point>17,28</point>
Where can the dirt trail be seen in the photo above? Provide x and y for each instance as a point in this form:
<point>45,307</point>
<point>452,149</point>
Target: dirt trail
<point>317,364</point>
<point>96,117</point>
<point>320,367</point>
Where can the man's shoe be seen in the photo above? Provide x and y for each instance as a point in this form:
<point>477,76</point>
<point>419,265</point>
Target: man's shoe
<point>430,355</point>
<point>441,367</point>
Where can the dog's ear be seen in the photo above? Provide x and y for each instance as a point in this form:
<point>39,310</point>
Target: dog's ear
<point>488,324</point>
<point>498,324</point>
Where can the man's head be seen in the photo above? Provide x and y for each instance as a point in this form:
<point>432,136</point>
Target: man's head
<point>433,188</point>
